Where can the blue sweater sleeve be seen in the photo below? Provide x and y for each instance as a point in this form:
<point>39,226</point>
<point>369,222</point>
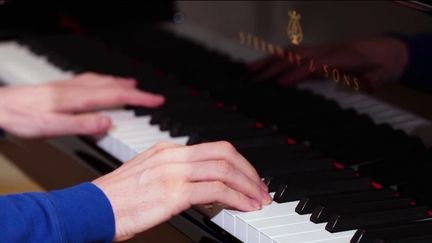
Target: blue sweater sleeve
<point>77,214</point>
<point>418,71</point>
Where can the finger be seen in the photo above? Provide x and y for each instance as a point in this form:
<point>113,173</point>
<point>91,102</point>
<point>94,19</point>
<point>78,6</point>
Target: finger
<point>210,192</point>
<point>84,99</point>
<point>84,124</point>
<point>95,81</point>
<point>220,170</point>
<point>208,151</point>
<point>142,98</point>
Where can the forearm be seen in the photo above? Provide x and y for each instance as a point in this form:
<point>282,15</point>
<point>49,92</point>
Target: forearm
<point>77,214</point>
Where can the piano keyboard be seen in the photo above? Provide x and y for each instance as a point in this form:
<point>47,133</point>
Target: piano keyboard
<point>305,184</point>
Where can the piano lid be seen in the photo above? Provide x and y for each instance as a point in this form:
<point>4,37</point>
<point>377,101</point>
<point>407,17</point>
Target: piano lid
<point>424,6</point>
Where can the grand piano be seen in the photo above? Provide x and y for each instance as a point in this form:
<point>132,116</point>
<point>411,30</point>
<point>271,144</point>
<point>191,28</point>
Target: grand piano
<point>342,166</point>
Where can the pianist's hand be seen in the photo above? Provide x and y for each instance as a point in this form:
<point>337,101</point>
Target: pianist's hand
<point>167,179</point>
<point>374,61</point>
<point>65,107</point>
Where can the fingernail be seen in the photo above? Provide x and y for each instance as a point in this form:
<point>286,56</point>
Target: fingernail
<point>160,99</point>
<point>266,199</point>
<point>255,205</point>
<point>104,122</point>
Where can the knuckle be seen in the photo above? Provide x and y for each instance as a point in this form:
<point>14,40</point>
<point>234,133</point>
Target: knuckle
<point>120,96</point>
<point>219,188</point>
<point>89,75</point>
<point>53,96</point>
<point>161,151</point>
<point>162,145</point>
<point>227,146</point>
<point>164,150</point>
<point>224,167</point>
<point>172,176</point>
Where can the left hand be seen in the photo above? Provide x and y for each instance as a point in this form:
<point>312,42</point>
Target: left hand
<point>61,108</point>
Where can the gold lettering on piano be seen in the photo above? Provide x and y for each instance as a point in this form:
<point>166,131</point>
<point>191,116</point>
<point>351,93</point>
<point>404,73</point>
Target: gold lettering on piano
<point>294,29</point>
<point>356,84</point>
<point>336,75</point>
<point>326,72</point>
<point>347,80</point>
<point>293,58</point>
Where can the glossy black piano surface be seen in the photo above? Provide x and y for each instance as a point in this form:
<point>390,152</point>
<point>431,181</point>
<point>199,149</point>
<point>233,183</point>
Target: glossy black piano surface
<point>343,169</point>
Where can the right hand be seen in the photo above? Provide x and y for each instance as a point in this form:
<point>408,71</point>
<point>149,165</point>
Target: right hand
<point>168,178</point>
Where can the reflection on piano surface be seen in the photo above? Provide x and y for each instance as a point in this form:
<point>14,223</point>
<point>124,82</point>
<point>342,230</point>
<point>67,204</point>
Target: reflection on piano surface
<point>341,166</point>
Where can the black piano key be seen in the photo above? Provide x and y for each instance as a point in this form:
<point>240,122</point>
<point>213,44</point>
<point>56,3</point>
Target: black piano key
<point>229,134</point>
<point>201,117</point>
<point>257,142</point>
<point>275,180</point>
<point>344,222</point>
<point>283,152</point>
<point>339,141</point>
<point>399,161</point>
<point>292,166</point>
<point>291,147</point>
<point>322,213</point>
<point>309,203</point>
<point>180,129</point>
<point>287,193</point>
<point>410,239</point>
<point>178,107</point>
<point>417,231</point>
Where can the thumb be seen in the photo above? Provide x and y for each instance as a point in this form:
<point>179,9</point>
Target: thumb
<point>80,124</point>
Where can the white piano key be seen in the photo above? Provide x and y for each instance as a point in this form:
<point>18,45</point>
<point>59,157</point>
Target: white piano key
<point>271,211</point>
<point>218,218</point>
<point>373,109</point>
<point>343,239</point>
<point>23,67</point>
<point>255,228</point>
<point>386,116</point>
<point>411,125</point>
<point>130,124</point>
<point>229,220</point>
<point>118,115</point>
<point>267,235</point>
<point>315,236</point>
